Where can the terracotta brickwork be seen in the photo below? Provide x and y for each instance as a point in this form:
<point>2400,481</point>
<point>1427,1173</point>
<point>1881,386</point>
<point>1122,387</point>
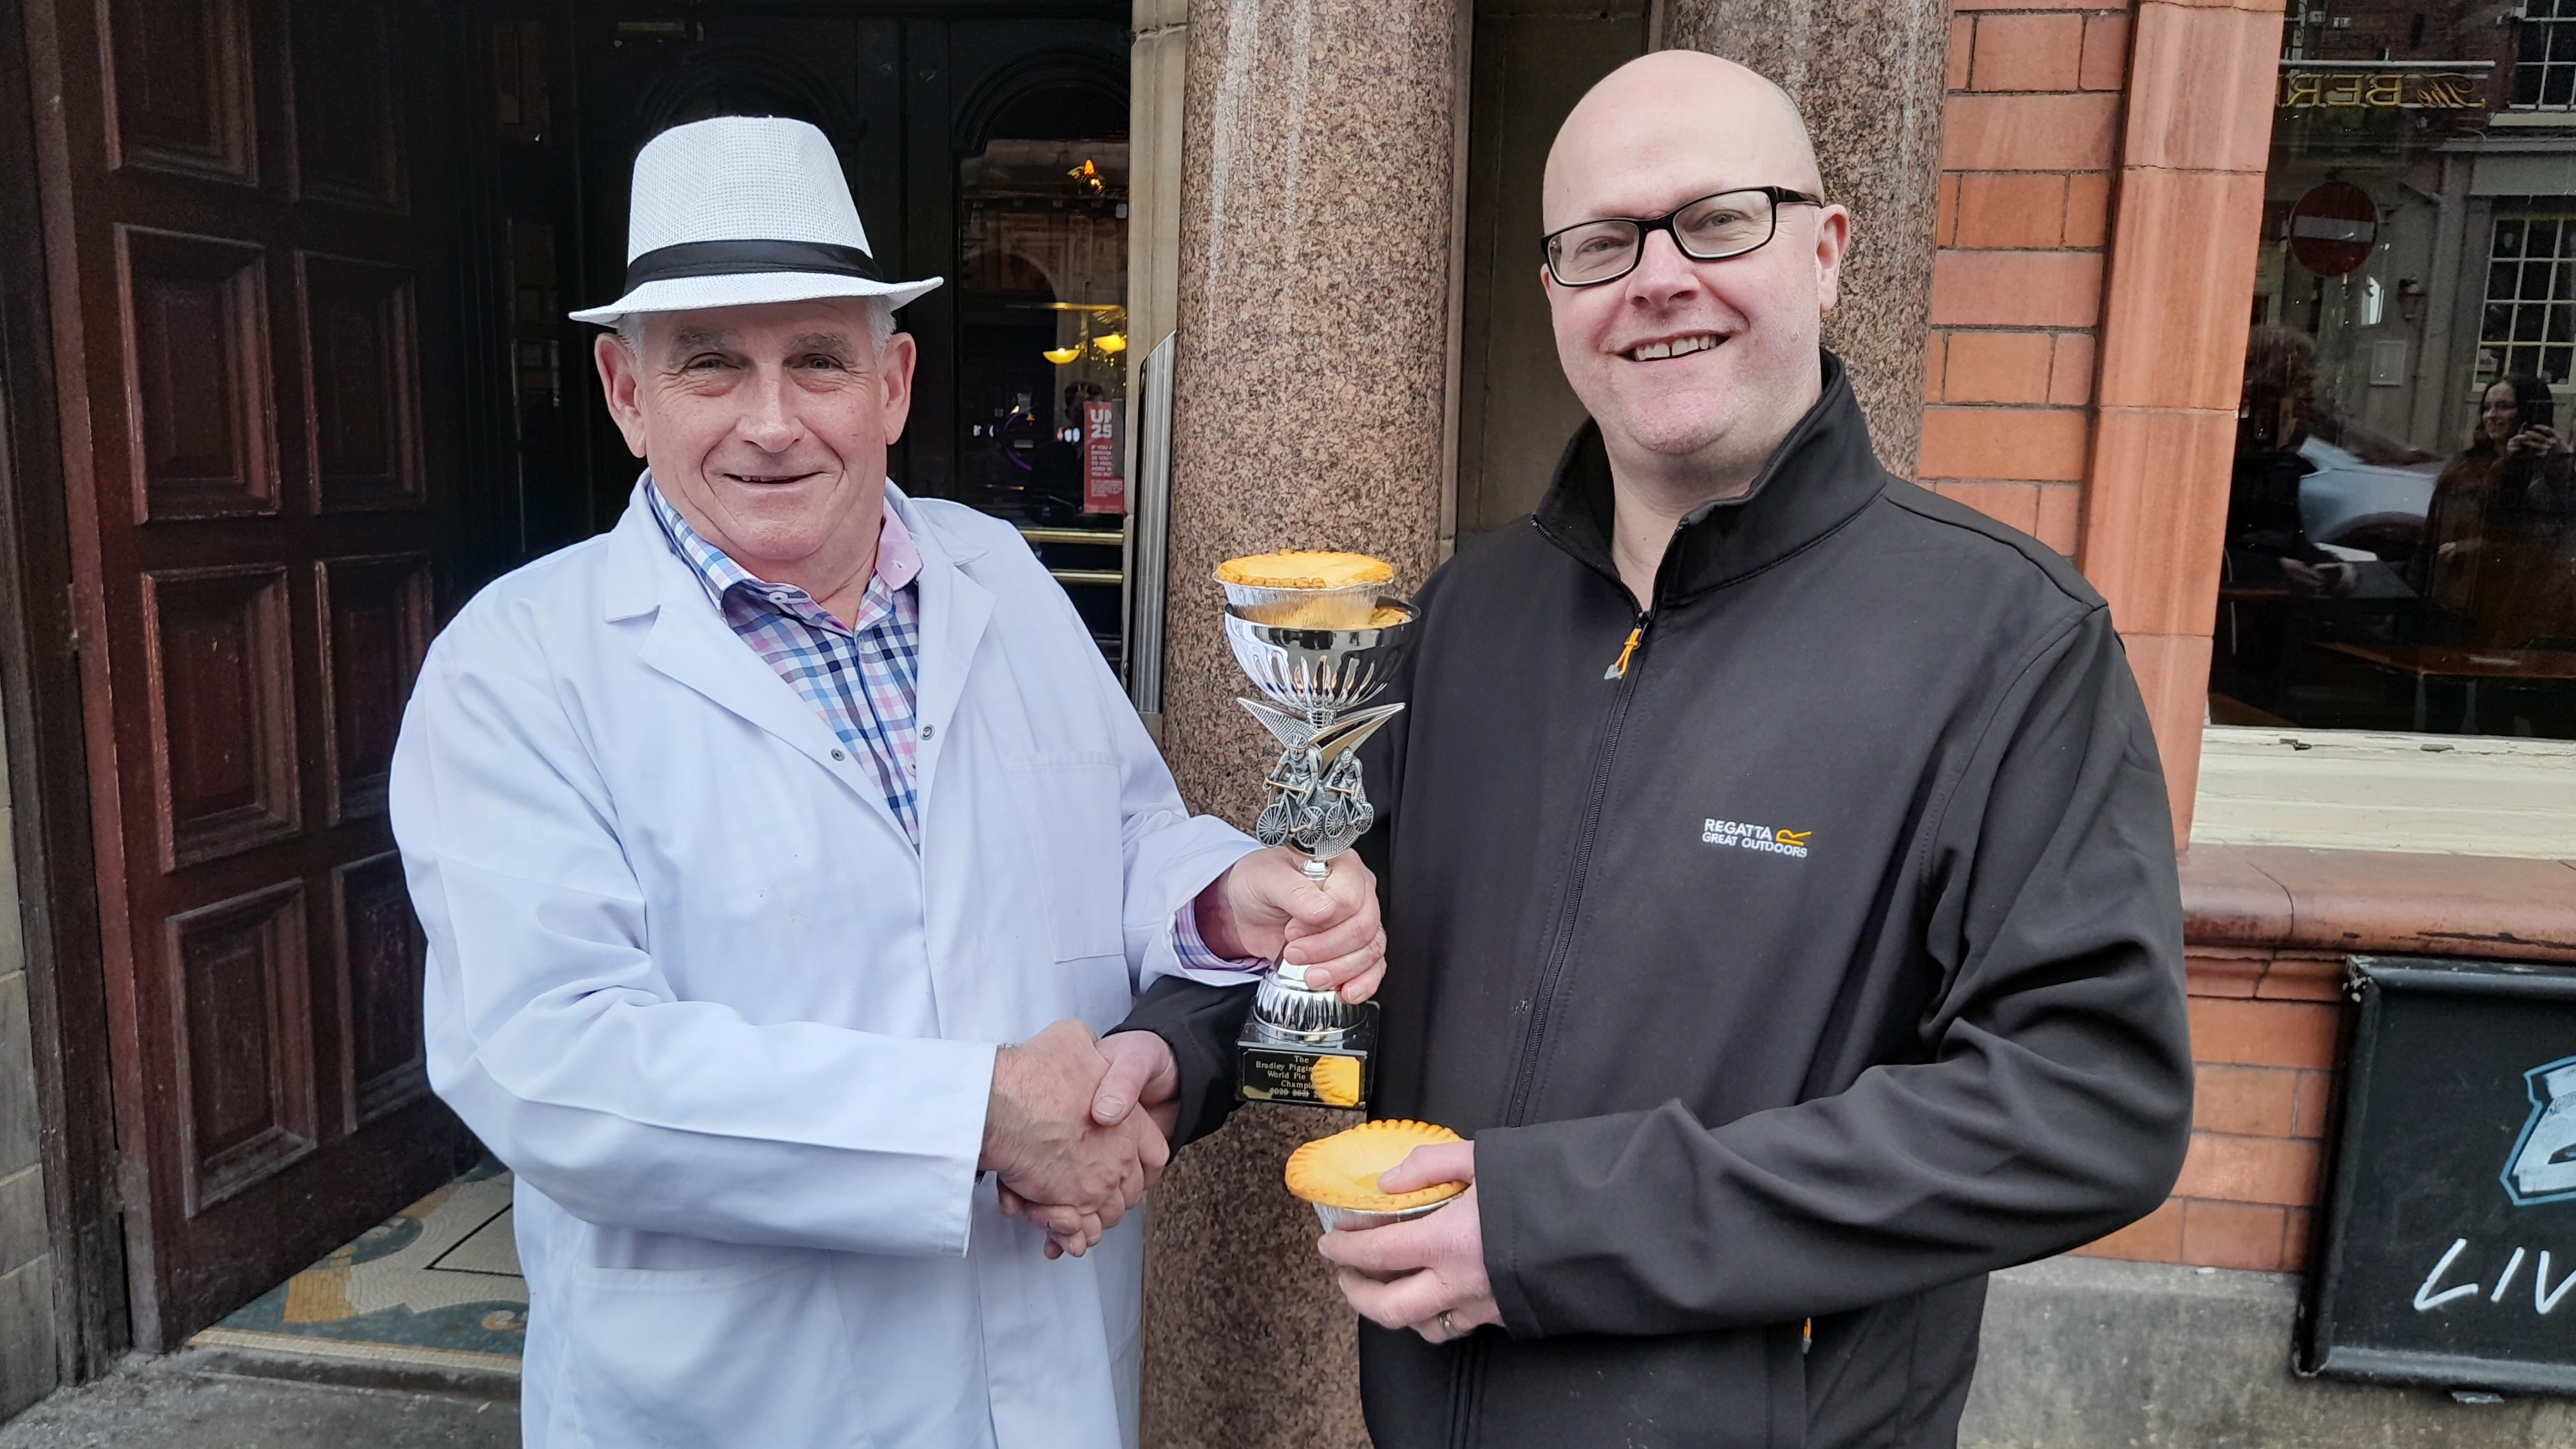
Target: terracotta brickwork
<point>2264,1029</point>
<point>2101,191</point>
<point>2030,138</point>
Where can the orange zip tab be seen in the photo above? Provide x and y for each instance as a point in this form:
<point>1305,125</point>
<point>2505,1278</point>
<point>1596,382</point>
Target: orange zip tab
<point>1619,670</point>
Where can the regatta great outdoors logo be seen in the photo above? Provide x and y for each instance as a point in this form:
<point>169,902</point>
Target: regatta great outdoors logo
<point>1738,835</point>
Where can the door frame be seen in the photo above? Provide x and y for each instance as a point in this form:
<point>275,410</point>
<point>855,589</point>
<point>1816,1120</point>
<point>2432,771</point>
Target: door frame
<point>48,770</point>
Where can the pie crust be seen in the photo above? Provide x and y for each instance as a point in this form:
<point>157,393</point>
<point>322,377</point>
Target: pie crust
<point>1341,1170</point>
<point>1300,568</point>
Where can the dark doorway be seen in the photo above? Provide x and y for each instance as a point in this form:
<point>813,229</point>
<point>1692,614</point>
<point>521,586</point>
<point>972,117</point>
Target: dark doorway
<point>962,139</point>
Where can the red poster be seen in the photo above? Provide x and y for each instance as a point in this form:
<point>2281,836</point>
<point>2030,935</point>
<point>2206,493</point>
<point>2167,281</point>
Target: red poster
<point>1103,489</point>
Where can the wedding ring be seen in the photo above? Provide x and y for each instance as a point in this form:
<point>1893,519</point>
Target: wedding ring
<point>1446,1326</point>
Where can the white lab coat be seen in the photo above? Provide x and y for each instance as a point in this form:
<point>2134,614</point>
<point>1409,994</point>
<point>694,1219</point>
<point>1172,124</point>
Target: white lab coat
<point>689,980</point>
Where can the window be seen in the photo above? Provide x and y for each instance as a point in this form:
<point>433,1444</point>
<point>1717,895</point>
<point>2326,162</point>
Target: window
<point>2544,71</point>
<point>2400,553</point>
<point>2529,328</point>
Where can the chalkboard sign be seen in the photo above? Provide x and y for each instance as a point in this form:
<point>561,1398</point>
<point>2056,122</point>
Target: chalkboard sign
<point>2449,1249</point>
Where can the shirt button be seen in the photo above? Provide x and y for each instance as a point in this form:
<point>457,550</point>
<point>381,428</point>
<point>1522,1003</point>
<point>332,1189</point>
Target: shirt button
<point>928,730</point>
<point>836,754</point>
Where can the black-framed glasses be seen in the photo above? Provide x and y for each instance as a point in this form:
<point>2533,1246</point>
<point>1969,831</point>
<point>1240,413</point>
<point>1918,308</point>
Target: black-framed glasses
<point>1711,229</point>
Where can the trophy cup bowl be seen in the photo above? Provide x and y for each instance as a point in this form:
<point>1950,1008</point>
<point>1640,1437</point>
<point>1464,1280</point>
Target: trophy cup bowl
<point>1320,669</point>
<point>1302,1044</point>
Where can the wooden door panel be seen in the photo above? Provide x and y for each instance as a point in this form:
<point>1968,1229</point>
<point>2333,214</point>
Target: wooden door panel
<point>223,708</point>
<point>381,955</point>
<point>348,135</point>
<point>247,1107</point>
<point>266,362</point>
<point>376,627</point>
<point>182,81</point>
<point>197,367</point>
<point>362,403</point>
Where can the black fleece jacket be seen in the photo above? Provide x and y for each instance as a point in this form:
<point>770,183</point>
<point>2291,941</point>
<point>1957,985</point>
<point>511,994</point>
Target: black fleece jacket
<point>1823,960</point>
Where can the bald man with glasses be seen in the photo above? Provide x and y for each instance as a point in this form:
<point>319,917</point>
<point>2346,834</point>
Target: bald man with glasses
<point>1780,887</point>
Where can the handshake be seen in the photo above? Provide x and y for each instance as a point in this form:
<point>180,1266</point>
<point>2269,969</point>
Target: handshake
<point>1079,1127</point>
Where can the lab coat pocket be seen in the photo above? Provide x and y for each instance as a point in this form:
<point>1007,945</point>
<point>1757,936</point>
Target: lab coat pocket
<point>1072,817</point>
<point>752,1354</point>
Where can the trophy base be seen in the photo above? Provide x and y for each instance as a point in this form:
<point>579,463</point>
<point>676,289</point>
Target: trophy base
<point>1337,1073</point>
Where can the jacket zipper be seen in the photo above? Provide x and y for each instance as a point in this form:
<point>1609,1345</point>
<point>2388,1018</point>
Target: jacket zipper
<point>1621,672</point>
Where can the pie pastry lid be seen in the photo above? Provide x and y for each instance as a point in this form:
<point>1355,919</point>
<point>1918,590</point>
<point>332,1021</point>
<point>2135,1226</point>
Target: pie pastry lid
<point>1305,568</point>
<point>1341,1171</point>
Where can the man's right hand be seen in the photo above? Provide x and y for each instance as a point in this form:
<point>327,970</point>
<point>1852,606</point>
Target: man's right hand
<point>1041,1140</point>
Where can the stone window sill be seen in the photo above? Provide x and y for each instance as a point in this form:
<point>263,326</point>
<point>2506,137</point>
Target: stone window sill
<point>2339,901</point>
<point>2468,795</point>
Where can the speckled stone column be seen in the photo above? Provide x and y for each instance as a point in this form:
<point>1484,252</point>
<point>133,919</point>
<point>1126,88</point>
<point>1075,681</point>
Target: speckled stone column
<point>1314,318</point>
<point>1869,75</point>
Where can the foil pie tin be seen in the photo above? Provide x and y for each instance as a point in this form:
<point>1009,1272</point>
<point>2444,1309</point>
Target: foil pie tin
<point>1351,1220</point>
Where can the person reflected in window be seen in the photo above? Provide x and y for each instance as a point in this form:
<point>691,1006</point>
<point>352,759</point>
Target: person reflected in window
<point>2267,541</point>
<point>2495,520</point>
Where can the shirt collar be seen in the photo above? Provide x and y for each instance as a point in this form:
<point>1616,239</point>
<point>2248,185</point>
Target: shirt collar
<point>898,560</point>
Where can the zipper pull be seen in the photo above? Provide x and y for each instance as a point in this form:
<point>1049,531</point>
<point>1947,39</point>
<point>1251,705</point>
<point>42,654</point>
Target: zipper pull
<point>1619,667</point>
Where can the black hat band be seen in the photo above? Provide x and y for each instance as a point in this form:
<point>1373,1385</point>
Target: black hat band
<point>731,258</point>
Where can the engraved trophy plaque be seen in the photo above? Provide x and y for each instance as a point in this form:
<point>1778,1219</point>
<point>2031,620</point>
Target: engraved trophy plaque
<point>1302,1045</point>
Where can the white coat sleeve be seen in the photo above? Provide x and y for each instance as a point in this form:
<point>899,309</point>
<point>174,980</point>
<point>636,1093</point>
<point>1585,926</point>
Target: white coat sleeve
<point>557,1038</point>
<point>1171,855</point>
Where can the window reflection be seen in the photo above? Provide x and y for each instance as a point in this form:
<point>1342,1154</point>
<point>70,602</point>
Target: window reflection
<point>2401,531</point>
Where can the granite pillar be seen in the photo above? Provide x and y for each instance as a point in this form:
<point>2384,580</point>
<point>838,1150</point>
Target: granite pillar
<point>1317,153</point>
<point>1868,74</point>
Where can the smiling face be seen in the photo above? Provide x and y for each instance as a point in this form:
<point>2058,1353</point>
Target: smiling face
<point>1694,370</point>
<point>2501,414</point>
<point>767,427</point>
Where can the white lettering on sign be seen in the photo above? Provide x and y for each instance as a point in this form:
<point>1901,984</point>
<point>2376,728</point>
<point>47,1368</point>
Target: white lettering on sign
<point>2545,1295</point>
<point>2426,1300</point>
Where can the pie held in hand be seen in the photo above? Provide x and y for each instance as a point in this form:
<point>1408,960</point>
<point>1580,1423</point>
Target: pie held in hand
<point>1341,1171</point>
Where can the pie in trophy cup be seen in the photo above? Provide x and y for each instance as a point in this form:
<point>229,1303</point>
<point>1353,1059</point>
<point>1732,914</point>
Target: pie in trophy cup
<point>1338,1174</point>
<point>1302,588</point>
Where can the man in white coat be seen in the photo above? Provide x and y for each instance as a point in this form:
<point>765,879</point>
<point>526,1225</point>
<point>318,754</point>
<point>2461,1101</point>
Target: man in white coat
<point>780,853</point>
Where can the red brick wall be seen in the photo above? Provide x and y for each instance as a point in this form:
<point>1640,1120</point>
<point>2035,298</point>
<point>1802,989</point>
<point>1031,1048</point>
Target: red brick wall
<point>2029,149</point>
<point>2264,1033</point>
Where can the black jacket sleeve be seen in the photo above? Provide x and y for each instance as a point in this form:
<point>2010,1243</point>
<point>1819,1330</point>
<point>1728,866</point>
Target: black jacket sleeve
<point>1199,1023</point>
<point>2054,1104</point>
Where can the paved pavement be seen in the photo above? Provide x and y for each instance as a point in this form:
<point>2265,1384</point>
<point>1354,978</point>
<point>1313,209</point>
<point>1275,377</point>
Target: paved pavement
<point>197,1400</point>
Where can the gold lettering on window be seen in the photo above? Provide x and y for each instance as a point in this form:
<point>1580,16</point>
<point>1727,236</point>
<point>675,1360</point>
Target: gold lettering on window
<point>2381,90</point>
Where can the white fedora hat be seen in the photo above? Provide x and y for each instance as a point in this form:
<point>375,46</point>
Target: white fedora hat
<point>741,210</point>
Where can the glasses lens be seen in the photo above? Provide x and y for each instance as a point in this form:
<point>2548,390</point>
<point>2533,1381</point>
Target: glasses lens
<point>1721,226</point>
<point>1593,252</point>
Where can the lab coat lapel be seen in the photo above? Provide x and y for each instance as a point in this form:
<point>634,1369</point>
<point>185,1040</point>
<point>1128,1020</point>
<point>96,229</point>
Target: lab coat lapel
<point>691,643</point>
<point>954,612</point>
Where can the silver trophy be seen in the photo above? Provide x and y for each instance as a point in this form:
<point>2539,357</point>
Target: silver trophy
<point>1304,1045</point>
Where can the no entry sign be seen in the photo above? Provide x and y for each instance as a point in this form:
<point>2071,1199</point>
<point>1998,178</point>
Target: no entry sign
<point>2332,228</point>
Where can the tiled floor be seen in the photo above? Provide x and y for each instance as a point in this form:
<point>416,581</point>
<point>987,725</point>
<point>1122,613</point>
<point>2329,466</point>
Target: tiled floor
<point>436,1286</point>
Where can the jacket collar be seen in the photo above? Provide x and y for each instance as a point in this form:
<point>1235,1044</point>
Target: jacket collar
<point>646,568</point>
<point>1820,476</point>
<point>691,643</point>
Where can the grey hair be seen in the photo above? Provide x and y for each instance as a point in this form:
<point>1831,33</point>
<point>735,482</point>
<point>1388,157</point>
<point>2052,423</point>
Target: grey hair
<point>630,327</point>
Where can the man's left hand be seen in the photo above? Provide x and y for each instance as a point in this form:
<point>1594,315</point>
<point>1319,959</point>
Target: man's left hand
<point>1265,907</point>
<point>1429,1274</point>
